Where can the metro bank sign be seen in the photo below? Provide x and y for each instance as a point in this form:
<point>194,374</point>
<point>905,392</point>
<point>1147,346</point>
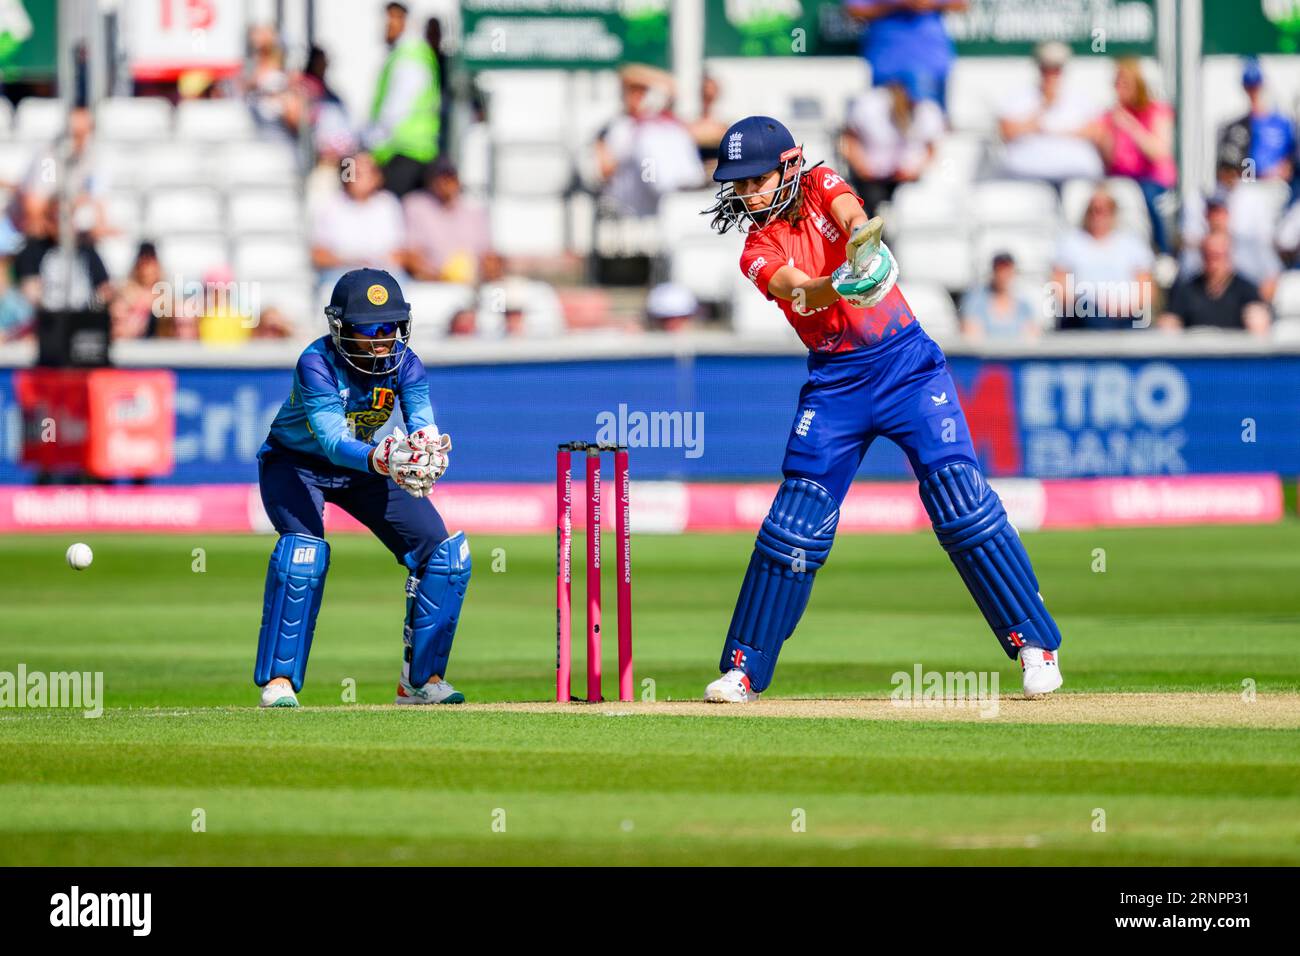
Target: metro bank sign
<point>1072,418</point>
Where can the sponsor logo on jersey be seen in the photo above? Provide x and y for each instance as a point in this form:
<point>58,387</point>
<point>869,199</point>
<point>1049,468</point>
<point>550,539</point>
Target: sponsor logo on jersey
<point>831,180</point>
<point>733,145</point>
<point>755,268</point>
<point>940,399</point>
<point>377,294</point>
<point>364,422</point>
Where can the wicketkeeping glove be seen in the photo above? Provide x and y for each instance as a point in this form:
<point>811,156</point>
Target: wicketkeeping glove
<point>437,446</point>
<point>382,455</point>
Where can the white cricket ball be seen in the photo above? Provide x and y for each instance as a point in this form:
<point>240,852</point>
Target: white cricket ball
<point>79,556</point>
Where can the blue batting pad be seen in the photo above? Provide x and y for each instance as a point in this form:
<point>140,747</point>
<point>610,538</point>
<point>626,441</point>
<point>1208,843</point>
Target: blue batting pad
<point>295,581</point>
<point>972,526</point>
<point>433,599</point>
<point>792,544</point>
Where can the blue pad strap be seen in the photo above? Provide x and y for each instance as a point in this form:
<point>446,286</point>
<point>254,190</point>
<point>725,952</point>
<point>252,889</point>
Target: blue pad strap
<point>972,526</point>
<point>792,544</point>
<point>434,595</point>
<point>295,581</point>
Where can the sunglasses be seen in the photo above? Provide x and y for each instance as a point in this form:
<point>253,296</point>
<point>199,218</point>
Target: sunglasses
<point>376,329</point>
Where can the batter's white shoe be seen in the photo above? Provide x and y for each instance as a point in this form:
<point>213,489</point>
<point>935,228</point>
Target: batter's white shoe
<point>1040,671</point>
<point>434,692</point>
<point>278,695</point>
<point>731,688</point>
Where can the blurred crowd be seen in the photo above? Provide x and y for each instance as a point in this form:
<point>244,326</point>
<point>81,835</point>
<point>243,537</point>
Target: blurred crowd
<point>386,191</point>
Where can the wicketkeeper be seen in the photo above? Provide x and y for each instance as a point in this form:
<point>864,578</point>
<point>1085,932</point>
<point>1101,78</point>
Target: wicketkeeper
<point>345,388</point>
<point>872,371</point>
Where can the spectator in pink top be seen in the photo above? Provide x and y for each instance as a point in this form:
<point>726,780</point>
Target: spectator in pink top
<point>1136,140</point>
<point>447,234</point>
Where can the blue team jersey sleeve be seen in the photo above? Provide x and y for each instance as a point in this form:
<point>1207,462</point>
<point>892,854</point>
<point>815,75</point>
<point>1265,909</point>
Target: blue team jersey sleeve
<point>318,391</point>
<point>413,393</point>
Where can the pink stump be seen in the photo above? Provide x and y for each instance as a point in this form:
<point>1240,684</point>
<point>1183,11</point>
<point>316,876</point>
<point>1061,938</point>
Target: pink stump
<point>563,572</point>
<point>622,517</point>
<point>593,574</point>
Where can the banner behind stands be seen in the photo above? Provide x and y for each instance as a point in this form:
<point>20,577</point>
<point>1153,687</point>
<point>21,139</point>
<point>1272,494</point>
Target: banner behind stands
<point>984,28</point>
<point>713,417</point>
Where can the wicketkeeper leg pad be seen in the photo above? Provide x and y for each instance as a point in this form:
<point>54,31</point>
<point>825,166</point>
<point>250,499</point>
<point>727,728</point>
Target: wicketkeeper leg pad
<point>972,526</point>
<point>295,581</point>
<point>434,595</point>
<point>792,544</point>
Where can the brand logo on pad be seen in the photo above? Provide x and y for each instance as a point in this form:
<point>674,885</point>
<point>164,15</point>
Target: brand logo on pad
<point>1016,638</point>
<point>738,658</point>
<point>304,555</point>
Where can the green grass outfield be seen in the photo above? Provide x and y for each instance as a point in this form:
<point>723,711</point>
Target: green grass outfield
<point>1177,611</point>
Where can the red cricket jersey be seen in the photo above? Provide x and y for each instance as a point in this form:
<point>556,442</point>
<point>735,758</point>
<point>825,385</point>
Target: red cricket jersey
<point>816,246</point>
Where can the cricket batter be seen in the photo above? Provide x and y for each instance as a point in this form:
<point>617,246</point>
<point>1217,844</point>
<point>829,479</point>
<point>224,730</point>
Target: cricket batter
<point>872,371</point>
<point>345,388</point>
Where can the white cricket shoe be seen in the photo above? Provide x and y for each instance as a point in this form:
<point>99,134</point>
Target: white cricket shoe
<point>278,695</point>
<point>731,688</point>
<point>1040,671</point>
<point>434,692</point>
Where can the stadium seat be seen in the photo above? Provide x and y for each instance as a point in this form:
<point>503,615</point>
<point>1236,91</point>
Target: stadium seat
<point>1032,247</point>
<point>192,256</point>
<point>1287,330</point>
<point>432,306</point>
<point>15,161</point>
<point>939,256</point>
<point>213,120</point>
<point>959,158</point>
<point>296,299</point>
<point>118,254</point>
<point>1002,202</point>
<point>169,211</point>
<point>679,216</point>
<point>264,210</point>
<point>1286,298</point>
<point>933,307</point>
<point>544,215</point>
<point>257,163</point>
<point>526,106</point>
<point>978,85</point>
<point>271,257</point>
<point>580,213</point>
<point>133,119</point>
<point>705,266</point>
<point>531,169</point>
<point>475,160</point>
<point>39,119</point>
<point>122,164</point>
<point>179,164</point>
<point>921,205</point>
<point>754,318</point>
<point>123,211</point>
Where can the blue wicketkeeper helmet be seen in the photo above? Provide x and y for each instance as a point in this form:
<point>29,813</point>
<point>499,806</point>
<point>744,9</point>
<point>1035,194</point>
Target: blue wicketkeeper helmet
<point>368,305</point>
<point>751,147</point>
